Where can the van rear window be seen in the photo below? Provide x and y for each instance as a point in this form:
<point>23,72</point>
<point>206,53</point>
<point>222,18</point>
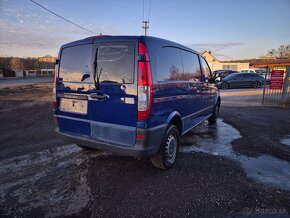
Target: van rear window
<point>75,62</point>
<point>115,62</point>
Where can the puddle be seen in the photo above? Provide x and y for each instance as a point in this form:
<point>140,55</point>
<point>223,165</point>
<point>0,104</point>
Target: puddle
<point>286,141</point>
<point>54,180</point>
<point>216,140</point>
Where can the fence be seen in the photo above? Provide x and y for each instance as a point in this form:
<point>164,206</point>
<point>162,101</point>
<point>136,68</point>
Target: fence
<point>277,95</point>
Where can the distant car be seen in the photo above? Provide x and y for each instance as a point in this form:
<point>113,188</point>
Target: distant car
<point>220,74</point>
<point>261,72</point>
<point>239,80</point>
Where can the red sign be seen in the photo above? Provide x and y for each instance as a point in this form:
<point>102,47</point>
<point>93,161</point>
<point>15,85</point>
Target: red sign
<point>277,73</point>
<point>276,81</point>
<point>278,84</point>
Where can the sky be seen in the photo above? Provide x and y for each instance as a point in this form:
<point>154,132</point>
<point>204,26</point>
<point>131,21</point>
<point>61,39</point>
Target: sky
<point>231,29</point>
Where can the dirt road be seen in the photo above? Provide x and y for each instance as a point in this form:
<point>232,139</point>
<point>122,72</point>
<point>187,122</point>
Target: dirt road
<point>240,167</point>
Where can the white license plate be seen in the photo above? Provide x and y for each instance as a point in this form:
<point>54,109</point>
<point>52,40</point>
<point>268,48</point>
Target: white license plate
<point>73,105</point>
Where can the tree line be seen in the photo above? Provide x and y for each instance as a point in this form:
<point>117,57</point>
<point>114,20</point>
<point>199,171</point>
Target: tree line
<point>283,51</point>
<point>14,63</point>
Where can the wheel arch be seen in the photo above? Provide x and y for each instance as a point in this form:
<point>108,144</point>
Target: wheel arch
<point>175,119</point>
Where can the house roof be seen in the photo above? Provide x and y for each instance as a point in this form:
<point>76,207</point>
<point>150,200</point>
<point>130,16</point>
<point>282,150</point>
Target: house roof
<point>210,53</point>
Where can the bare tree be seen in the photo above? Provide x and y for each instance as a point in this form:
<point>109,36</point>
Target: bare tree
<point>282,52</point>
<point>16,64</point>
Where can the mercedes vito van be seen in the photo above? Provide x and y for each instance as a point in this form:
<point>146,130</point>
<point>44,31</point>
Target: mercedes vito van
<point>132,95</point>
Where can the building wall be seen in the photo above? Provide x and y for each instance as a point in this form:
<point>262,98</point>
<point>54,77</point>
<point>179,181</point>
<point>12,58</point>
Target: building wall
<point>235,66</point>
<point>215,64</point>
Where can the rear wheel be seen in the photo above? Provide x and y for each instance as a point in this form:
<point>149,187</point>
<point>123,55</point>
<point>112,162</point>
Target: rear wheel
<point>256,84</point>
<point>167,154</point>
<point>225,85</point>
<point>213,118</point>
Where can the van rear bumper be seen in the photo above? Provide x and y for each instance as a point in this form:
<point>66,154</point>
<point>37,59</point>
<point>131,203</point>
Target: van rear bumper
<point>147,146</point>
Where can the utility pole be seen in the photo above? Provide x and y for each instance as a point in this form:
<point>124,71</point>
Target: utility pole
<point>145,26</point>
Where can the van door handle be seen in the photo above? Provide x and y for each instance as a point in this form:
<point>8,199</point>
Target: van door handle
<point>98,97</point>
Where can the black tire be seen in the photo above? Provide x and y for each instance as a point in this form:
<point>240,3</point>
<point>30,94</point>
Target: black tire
<point>256,84</point>
<point>167,154</point>
<point>213,118</point>
<point>225,86</point>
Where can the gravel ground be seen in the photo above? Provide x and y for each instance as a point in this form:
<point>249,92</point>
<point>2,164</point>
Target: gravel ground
<point>44,176</point>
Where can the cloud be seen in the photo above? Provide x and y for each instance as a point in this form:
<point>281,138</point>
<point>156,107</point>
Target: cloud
<point>24,28</point>
<point>214,46</point>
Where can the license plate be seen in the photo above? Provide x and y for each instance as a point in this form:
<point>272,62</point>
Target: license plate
<point>73,105</point>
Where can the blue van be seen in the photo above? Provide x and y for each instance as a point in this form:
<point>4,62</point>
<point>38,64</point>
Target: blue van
<point>132,95</point>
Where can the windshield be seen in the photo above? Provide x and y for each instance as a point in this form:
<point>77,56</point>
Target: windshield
<point>260,71</point>
<point>230,76</point>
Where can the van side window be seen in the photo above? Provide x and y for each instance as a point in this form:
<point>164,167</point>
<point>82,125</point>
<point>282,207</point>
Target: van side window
<point>205,69</point>
<point>169,64</point>
<point>191,66</point>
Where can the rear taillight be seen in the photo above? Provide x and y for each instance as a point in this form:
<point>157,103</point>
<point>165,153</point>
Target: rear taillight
<point>144,85</point>
<point>55,106</point>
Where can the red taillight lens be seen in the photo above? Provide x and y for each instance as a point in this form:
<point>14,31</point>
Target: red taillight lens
<point>143,51</point>
<point>55,105</point>
<point>144,75</point>
<point>144,85</point>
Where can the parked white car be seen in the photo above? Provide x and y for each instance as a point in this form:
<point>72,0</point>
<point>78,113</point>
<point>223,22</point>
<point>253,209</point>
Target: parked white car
<point>261,72</point>
<point>252,70</point>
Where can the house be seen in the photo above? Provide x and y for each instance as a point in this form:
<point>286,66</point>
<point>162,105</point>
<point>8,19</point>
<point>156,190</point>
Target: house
<point>46,65</point>
<point>215,64</point>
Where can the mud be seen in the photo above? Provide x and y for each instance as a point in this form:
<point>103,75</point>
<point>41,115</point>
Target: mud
<point>218,172</point>
<point>216,140</point>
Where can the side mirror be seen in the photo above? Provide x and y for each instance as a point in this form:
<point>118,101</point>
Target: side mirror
<point>85,76</point>
<point>56,61</point>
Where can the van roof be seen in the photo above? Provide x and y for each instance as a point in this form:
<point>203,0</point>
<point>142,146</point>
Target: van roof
<point>108,38</point>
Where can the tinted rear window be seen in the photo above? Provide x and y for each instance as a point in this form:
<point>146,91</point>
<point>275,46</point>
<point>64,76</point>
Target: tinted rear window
<point>169,64</point>
<point>232,75</point>
<point>249,75</point>
<point>116,62</point>
<point>75,62</point>
<point>191,66</point>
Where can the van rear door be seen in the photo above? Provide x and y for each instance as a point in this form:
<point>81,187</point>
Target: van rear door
<point>104,108</point>
<point>72,89</point>
<point>113,102</point>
